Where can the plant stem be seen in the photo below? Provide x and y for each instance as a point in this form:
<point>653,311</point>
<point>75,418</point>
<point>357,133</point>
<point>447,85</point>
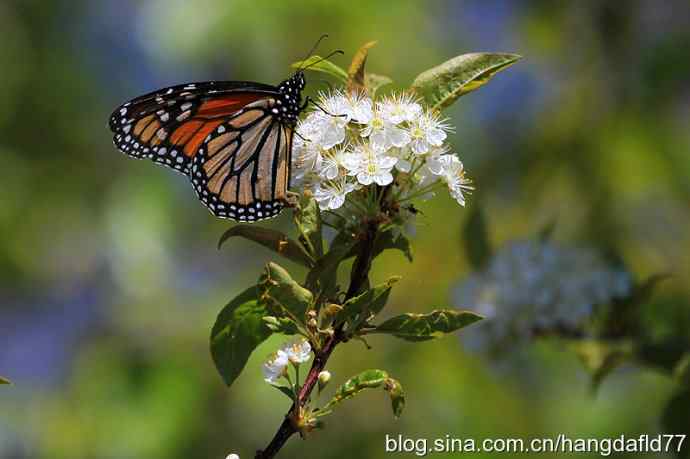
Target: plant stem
<point>358,281</point>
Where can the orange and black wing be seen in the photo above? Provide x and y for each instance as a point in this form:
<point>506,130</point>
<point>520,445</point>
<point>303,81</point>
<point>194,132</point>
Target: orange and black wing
<point>242,168</point>
<point>169,125</point>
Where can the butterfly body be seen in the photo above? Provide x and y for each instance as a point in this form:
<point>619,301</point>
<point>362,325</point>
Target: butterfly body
<point>232,139</point>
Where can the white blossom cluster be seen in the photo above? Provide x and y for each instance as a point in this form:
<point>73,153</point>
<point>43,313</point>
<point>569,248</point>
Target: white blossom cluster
<point>534,286</point>
<point>295,352</point>
<point>349,141</point>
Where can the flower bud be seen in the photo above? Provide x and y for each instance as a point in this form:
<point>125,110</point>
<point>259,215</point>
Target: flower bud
<point>312,323</point>
<point>332,309</point>
<point>324,377</point>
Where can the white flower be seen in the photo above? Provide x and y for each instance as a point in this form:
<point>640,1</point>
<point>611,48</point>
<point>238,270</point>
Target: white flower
<point>382,133</point>
<point>232,456</point>
<point>276,366</point>
<point>325,126</point>
<point>308,128</point>
<point>332,162</point>
<point>427,131</point>
<point>306,160</point>
<point>451,171</point>
<point>370,166</point>
<point>331,129</point>
<point>394,132</point>
<point>357,107</point>
<point>399,108</point>
<point>424,175</point>
<point>306,155</point>
<point>331,194</point>
<point>297,351</point>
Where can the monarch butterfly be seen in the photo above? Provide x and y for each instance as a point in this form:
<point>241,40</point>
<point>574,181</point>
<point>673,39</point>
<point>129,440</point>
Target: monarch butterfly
<point>232,139</point>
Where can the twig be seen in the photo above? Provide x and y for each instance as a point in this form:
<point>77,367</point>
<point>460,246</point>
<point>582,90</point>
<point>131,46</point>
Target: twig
<point>358,279</point>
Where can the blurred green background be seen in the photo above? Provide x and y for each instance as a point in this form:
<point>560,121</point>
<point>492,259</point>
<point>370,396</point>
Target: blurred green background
<point>110,275</point>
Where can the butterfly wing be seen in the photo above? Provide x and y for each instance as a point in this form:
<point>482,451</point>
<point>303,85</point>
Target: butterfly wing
<point>241,170</point>
<point>168,125</point>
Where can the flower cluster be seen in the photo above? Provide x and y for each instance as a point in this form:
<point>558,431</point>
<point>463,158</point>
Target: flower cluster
<point>350,141</point>
<point>295,352</point>
<point>533,287</point>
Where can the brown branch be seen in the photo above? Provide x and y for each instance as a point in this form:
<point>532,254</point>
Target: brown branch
<point>358,279</point>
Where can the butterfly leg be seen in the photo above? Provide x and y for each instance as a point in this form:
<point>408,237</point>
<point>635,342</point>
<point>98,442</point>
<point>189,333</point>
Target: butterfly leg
<point>312,101</point>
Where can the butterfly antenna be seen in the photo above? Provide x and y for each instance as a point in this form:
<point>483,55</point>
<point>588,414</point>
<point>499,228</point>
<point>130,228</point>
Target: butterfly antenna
<point>337,51</point>
<point>313,48</point>
<point>300,135</point>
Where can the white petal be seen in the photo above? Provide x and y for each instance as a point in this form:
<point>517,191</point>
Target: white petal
<point>403,165</point>
<point>378,140</point>
<point>337,201</point>
<point>435,165</point>
<point>419,146</point>
<point>387,162</point>
<point>362,112</point>
<point>398,137</point>
<point>383,178</point>
<point>332,136</point>
<point>352,161</point>
<point>412,111</point>
<point>435,136</point>
<point>364,178</point>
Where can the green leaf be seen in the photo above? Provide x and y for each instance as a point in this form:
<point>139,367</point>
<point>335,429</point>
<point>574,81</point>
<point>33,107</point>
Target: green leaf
<point>322,276</point>
<point>423,327</point>
<point>4,381</point>
<point>325,66</point>
<point>272,239</point>
<point>475,236</point>
<point>282,325</point>
<point>285,390</point>
<point>355,74</point>
<point>281,293</point>
<point>389,240</point>
<point>369,379</point>
<point>307,217</point>
<point>442,85</point>
<point>601,357</point>
<point>363,307</point>
<point>238,330</point>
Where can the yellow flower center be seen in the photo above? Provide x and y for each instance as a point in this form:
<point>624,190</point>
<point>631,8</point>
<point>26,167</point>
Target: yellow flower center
<point>377,123</point>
